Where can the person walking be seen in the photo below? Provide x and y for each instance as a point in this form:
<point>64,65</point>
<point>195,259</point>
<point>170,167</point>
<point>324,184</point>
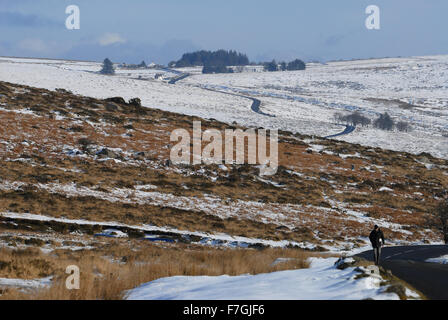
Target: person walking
<point>377,239</point>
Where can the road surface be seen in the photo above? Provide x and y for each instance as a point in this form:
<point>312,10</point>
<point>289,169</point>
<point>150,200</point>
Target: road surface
<point>256,106</point>
<point>348,129</point>
<point>178,78</point>
<point>408,263</point>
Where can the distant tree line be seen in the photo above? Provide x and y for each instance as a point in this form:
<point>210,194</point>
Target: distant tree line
<point>219,62</point>
<point>142,65</point>
<point>296,64</point>
<point>218,58</point>
<point>209,68</point>
<point>383,122</point>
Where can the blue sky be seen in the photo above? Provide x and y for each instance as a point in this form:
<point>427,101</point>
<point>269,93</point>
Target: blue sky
<point>161,30</point>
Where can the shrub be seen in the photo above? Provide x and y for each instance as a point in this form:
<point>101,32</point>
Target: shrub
<point>384,122</point>
<point>108,67</point>
<point>135,102</point>
<point>84,142</point>
<point>403,126</point>
<point>271,66</point>
<point>442,215</point>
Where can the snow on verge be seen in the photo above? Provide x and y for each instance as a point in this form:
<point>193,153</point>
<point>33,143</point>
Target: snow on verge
<point>442,260</point>
<point>322,281</point>
<point>26,284</point>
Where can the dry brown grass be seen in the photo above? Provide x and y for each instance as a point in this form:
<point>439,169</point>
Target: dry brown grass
<point>323,175</point>
<point>107,272</point>
<point>24,264</point>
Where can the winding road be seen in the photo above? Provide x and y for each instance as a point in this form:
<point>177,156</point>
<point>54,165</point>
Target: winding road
<point>178,78</point>
<point>255,107</point>
<point>256,103</point>
<point>348,129</point>
<point>409,264</point>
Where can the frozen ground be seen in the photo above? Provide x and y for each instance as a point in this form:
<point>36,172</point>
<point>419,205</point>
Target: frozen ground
<point>322,281</point>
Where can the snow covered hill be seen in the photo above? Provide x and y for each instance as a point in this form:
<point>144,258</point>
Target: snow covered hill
<point>409,89</point>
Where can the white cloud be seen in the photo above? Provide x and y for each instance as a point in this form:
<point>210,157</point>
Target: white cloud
<point>37,47</point>
<point>34,45</point>
<point>111,38</point>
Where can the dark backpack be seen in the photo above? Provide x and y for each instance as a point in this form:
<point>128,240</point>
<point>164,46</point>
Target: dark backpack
<point>375,237</point>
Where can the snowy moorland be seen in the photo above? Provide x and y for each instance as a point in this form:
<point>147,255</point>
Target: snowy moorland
<point>83,78</point>
<point>409,89</point>
<point>83,174</point>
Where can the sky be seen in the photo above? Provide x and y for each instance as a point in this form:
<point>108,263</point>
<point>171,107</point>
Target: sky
<point>162,30</point>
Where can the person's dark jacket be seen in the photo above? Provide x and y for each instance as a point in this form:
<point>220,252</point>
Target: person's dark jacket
<point>375,237</point>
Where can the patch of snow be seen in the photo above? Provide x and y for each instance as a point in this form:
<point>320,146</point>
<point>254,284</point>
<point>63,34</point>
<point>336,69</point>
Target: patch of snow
<point>441,260</point>
<point>113,233</point>
<point>322,281</point>
<point>26,284</point>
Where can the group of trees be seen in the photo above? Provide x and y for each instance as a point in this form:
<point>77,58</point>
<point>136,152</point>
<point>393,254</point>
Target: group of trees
<point>142,65</point>
<point>271,66</point>
<point>296,64</point>
<point>215,62</point>
<point>355,118</point>
<point>108,66</point>
<point>383,122</point>
<point>218,58</point>
<point>209,68</point>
